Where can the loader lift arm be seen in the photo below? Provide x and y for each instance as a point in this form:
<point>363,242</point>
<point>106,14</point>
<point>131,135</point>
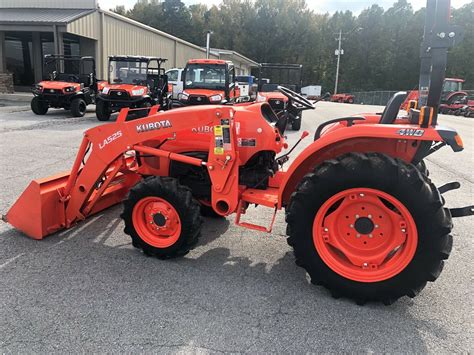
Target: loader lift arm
<point>105,169</point>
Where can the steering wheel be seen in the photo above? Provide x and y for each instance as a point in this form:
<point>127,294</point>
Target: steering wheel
<point>293,96</point>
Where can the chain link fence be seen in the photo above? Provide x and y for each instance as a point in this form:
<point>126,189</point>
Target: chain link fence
<point>381,97</point>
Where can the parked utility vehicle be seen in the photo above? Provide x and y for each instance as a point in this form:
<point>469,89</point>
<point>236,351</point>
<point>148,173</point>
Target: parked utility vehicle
<point>70,83</point>
<point>208,81</point>
<point>134,82</point>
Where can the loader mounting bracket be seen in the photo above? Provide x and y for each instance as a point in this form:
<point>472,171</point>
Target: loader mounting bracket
<point>462,211</point>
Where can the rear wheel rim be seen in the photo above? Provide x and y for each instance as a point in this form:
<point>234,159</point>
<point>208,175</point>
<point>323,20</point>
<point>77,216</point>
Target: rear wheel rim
<point>157,222</point>
<point>365,235</point>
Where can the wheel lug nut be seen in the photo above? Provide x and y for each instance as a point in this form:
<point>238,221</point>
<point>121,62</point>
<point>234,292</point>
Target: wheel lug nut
<point>376,226</point>
<point>370,216</point>
<point>370,235</point>
<point>361,195</point>
<point>326,230</point>
<point>404,230</point>
<point>365,264</point>
<point>352,226</point>
<point>356,216</point>
<point>357,235</point>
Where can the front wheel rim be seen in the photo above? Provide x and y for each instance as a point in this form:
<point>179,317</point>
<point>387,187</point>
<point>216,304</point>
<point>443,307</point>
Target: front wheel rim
<point>157,222</point>
<point>365,235</point>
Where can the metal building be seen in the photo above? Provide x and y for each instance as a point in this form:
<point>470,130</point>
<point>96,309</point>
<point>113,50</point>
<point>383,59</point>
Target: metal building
<point>30,29</point>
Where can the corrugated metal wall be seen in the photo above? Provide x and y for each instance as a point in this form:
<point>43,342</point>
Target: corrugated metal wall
<point>122,36</point>
<point>50,4</point>
<point>86,26</point>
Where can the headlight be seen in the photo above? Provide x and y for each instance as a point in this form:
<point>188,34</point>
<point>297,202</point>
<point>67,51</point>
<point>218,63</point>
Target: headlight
<point>261,98</point>
<point>105,90</point>
<point>215,98</point>
<point>138,92</point>
<point>39,87</point>
<point>70,89</point>
<point>183,96</point>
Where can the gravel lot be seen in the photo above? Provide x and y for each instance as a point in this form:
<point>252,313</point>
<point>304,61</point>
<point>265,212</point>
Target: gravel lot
<point>87,289</point>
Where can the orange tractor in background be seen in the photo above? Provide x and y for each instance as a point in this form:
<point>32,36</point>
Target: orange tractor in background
<point>363,219</point>
<point>134,82</point>
<point>271,76</point>
<point>208,81</point>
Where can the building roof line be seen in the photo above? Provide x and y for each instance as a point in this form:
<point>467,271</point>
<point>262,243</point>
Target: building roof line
<point>229,51</point>
<point>149,28</point>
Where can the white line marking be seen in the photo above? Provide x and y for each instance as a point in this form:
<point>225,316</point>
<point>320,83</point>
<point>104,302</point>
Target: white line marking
<point>10,260</point>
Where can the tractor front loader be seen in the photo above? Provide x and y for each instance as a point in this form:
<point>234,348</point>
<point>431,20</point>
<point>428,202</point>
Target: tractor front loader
<point>363,219</point>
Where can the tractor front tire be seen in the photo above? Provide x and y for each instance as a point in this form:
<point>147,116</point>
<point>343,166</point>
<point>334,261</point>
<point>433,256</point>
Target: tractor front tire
<point>39,107</point>
<point>78,107</point>
<point>102,110</point>
<point>162,217</point>
<point>369,227</point>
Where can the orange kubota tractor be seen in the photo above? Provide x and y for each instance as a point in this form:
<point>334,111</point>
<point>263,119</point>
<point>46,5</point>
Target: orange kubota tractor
<point>363,219</point>
<point>208,81</point>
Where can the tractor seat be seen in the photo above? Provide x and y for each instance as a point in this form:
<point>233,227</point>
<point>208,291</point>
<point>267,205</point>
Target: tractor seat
<point>390,112</point>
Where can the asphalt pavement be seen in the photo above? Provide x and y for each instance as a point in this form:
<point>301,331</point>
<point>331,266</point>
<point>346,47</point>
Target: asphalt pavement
<point>87,289</point>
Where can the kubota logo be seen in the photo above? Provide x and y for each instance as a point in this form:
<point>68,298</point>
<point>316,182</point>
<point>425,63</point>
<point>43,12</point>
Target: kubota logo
<point>145,127</point>
<point>202,129</point>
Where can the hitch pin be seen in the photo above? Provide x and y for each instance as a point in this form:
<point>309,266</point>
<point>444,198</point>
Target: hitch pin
<point>228,158</point>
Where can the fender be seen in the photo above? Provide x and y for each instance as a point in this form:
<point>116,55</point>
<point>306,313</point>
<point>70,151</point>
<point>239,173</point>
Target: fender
<point>399,141</point>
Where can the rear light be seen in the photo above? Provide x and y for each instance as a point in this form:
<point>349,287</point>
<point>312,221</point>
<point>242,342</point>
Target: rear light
<point>170,87</point>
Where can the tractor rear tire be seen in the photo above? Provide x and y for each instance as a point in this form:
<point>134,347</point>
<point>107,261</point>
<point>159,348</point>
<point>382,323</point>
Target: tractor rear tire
<point>162,217</point>
<point>78,107</point>
<point>102,110</point>
<point>39,107</point>
<point>408,213</point>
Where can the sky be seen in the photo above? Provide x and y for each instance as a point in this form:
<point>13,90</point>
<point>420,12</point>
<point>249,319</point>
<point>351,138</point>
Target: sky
<point>321,6</point>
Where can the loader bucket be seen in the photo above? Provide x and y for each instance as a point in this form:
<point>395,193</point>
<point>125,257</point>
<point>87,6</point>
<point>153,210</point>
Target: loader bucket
<point>39,210</point>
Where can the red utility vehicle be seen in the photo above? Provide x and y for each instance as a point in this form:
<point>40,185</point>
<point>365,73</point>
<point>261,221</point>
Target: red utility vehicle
<point>343,98</point>
<point>451,92</point>
<point>71,84</point>
<point>208,81</point>
<point>363,219</point>
<point>134,82</point>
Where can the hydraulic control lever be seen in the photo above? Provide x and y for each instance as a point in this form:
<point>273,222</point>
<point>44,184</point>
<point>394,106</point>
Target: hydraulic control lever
<point>285,157</point>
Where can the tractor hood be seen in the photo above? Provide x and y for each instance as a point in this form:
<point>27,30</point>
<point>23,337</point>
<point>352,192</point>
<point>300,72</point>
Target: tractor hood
<point>57,85</point>
<point>265,96</point>
<point>203,92</point>
<point>132,90</point>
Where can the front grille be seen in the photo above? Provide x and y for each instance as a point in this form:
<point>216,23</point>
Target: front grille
<point>52,92</point>
<point>277,104</point>
<point>198,100</point>
<point>119,95</point>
